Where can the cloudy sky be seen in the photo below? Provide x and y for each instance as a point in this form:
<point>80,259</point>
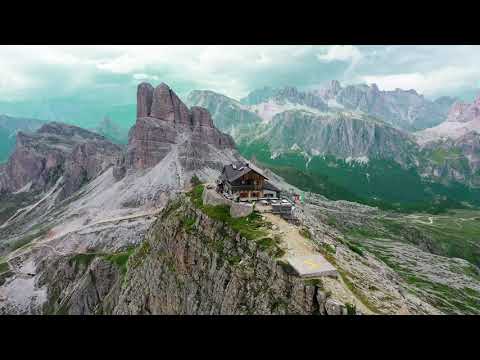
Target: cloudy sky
<point>111,73</point>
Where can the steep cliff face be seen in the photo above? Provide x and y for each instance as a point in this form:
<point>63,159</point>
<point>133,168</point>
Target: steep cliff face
<point>188,263</point>
<point>338,135</point>
<point>192,264</point>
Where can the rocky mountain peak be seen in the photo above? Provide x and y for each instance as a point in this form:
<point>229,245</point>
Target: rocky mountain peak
<point>166,105</point>
<point>57,150</point>
<point>166,123</point>
<point>144,99</point>
<point>374,88</point>
<point>335,86</point>
<point>464,112</point>
<point>64,130</point>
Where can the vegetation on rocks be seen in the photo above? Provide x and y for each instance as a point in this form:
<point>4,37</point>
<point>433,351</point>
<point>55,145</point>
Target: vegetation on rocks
<point>82,261</point>
<point>3,267</point>
<point>251,227</point>
<point>120,259</point>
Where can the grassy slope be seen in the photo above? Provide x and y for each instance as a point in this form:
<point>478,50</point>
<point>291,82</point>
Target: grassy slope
<point>446,283</point>
<point>381,183</point>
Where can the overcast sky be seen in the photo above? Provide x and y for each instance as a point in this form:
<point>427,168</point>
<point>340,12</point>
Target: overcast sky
<point>111,73</point>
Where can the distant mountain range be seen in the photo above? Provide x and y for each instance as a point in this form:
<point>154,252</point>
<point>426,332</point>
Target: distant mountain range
<point>355,142</point>
<point>112,121</point>
<point>405,109</point>
<point>9,127</point>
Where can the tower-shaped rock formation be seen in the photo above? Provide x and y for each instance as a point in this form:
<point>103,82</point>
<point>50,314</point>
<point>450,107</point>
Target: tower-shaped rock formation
<point>167,106</point>
<point>164,122</point>
<point>144,99</point>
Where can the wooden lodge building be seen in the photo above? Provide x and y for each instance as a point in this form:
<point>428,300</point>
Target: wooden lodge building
<point>244,182</point>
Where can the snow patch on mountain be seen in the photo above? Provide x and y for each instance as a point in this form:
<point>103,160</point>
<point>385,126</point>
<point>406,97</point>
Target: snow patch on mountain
<point>363,160</point>
<point>334,104</point>
<point>268,110</point>
<point>295,147</point>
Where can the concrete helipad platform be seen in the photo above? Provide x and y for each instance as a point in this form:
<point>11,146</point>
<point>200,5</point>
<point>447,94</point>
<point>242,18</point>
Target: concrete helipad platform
<point>312,266</point>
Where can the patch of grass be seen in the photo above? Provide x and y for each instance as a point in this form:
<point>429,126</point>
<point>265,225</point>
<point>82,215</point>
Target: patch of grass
<point>271,245</point>
<point>82,260</point>
<point>352,287</point>
<point>351,309</point>
<point>364,232</point>
<point>354,247</point>
<point>140,254</point>
<point>446,298</point>
<point>251,227</point>
<point>305,233</point>
<point>329,248</point>
<point>265,243</point>
<point>472,271</point>
<point>188,223</point>
<point>195,181</point>
<point>120,259</point>
<point>196,196</point>
<point>4,267</point>
<point>313,282</point>
<point>171,208</point>
<point>331,221</point>
<point>234,260</point>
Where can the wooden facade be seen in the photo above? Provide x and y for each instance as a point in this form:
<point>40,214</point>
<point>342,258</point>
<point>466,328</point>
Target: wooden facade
<point>248,186</point>
<point>245,183</point>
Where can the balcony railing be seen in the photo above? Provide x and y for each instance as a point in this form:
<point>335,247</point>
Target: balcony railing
<point>246,187</point>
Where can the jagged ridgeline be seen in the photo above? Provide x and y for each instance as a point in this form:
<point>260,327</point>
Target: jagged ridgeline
<point>357,143</point>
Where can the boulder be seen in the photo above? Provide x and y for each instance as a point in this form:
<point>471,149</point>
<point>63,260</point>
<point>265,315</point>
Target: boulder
<point>333,307</point>
<point>211,197</point>
<point>240,209</point>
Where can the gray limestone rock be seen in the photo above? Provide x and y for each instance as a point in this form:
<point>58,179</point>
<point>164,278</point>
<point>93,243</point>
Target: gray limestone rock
<point>144,99</point>
<point>240,209</point>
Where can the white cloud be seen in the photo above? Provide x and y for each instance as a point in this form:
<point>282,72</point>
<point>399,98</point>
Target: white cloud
<point>341,53</point>
<point>439,81</point>
<point>33,71</point>
<point>144,77</point>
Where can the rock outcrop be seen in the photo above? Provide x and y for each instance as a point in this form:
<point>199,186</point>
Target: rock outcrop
<point>463,112</point>
<point>144,99</point>
<point>169,122</point>
<point>240,209</point>
<point>57,150</point>
<point>338,135</point>
<point>207,268</point>
<point>9,127</point>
